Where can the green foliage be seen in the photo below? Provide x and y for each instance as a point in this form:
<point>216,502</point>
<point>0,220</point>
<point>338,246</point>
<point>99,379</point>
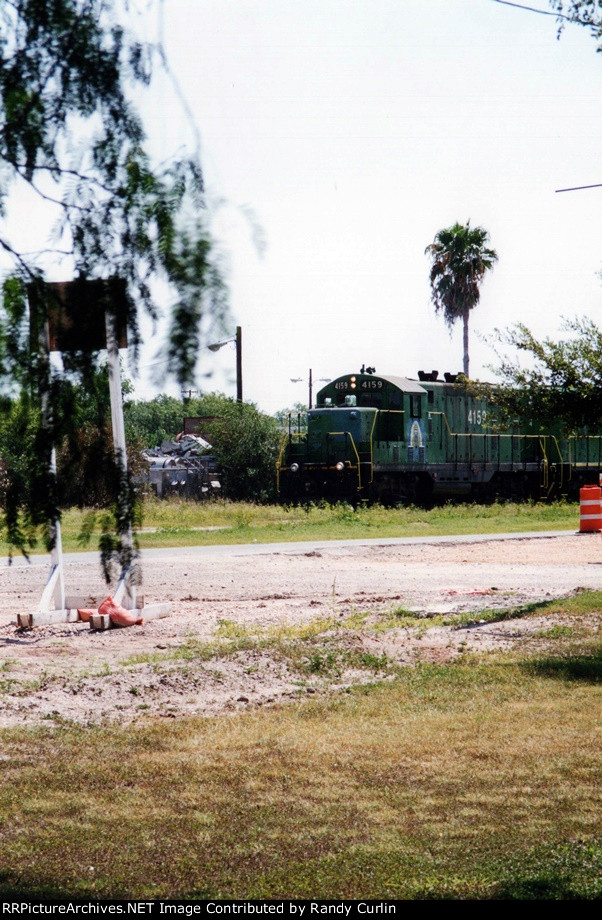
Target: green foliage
<point>581,12</point>
<point>245,441</point>
<point>69,132</point>
<point>80,429</point>
<point>460,259</point>
<point>245,445</point>
<point>70,137</point>
<point>297,414</point>
<point>562,382</point>
<point>18,422</point>
<point>151,422</point>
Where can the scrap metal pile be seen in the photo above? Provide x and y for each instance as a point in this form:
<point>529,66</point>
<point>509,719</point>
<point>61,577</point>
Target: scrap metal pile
<point>183,467</point>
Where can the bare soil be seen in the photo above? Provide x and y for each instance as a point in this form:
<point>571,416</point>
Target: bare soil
<point>69,672</point>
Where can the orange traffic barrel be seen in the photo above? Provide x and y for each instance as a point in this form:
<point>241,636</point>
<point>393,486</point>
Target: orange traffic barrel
<point>590,509</point>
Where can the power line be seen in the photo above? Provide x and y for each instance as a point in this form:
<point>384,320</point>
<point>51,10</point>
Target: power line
<point>533,9</point>
<point>557,15</point>
<point>577,188</point>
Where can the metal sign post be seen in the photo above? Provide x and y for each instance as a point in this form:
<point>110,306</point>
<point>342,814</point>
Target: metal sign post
<point>125,591</point>
<point>67,316</point>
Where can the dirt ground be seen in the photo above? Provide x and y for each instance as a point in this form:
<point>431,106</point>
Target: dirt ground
<point>69,672</point>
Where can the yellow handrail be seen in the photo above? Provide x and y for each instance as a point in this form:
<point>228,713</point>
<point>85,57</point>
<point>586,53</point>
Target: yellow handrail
<point>371,449</point>
<point>357,456</point>
<point>443,415</point>
<point>279,460</point>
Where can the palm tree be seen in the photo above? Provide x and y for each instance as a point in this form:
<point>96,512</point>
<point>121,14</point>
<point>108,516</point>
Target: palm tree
<point>460,258</point>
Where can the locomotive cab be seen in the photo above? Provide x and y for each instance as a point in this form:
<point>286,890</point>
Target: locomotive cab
<point>359,419</point>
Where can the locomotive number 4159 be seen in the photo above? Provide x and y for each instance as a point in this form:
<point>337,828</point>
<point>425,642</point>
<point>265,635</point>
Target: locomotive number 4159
<point>477,416</point>
<point>364,385</point>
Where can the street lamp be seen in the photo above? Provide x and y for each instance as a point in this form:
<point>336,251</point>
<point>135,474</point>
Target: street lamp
<point>310,381</point>
<point>238,342</point>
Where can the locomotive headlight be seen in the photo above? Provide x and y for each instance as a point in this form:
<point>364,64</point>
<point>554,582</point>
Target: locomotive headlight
<point>340,466</point>
<point>294,467</point>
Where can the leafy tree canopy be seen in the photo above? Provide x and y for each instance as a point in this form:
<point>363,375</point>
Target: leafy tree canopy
<point>71,138</point>
<point>582,12</point>
<point>245,441</point>
<point>460,259</point>
<point>149,422</point>
<point>562,382</point>
<point>245,444</point>
<point>297,414</point>
<point>69,133</point>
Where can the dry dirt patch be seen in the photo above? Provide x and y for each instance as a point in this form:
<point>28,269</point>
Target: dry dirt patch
<point>262,601</point>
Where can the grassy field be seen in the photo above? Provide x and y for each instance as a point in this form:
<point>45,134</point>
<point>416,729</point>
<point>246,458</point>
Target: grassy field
<point>477,779</point>
<point>173,523</point>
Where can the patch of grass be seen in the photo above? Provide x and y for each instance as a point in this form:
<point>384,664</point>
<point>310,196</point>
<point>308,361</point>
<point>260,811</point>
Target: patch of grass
<point>565,872</point>
<point>477,779</point>
<point>318,626</point>
<point>496,615</point>
<point>174,530</point>
<point>370,661</point>
<point>399,618</point>
<point>356,619</point>
<point>244,517</point>
<point>7,683</point>
<point>180,523</point>
<point>195,650</point>
<point>473,780</point>
<point>333,661</point>
<point>317,646</point>
<point>556,632</point>
<point>576,605</point>
<point>569,667</point>
<point>232,638</point>
<point>227,629</point>
<point>322,661</point>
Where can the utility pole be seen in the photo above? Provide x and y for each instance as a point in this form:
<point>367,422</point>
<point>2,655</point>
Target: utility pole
<point>215,346</point>
<point>239,364</point>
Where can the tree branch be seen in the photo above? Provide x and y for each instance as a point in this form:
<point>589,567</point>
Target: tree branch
<point>19,258</point>
<point>60,171</point>
<point>51,200</point>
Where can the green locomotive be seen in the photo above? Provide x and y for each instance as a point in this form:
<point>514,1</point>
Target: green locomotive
<point>396,440</point>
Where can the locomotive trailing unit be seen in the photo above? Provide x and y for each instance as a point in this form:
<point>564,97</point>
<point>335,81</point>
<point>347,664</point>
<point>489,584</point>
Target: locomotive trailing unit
<point>392,439</point>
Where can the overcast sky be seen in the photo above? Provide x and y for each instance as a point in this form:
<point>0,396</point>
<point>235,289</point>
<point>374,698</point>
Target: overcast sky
<point>354,130</point>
